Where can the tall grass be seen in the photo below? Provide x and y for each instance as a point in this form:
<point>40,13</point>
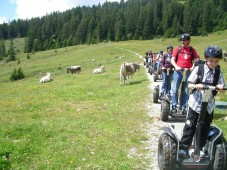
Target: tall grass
<point>81,121</point>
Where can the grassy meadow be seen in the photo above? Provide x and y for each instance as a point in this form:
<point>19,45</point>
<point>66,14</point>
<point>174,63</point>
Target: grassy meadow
<point>83,121</point>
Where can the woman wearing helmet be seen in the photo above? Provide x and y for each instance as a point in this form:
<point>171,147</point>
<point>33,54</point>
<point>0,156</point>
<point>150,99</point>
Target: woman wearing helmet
<point>167,72</point>
<point>212,54</point>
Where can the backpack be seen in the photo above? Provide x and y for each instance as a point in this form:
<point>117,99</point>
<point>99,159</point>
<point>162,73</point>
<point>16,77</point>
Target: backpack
<point>200,74</point>
<point>191,53</point>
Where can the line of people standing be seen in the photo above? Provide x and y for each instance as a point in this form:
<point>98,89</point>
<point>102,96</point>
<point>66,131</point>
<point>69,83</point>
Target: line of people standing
<point>172,63</point>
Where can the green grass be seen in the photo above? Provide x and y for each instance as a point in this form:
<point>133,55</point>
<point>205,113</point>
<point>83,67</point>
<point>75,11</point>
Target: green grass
<point>76,121</point>
<point>81,121</point>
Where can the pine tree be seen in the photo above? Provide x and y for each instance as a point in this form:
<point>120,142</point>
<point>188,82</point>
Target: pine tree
<point>12,56</point>
<point>2,49</point>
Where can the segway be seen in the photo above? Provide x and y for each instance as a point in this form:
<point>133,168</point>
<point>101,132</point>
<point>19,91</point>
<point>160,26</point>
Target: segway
<point>150,68</point>
<point>166,103</point>
<point>156,94</point>
<point>185,70</point>
<point>156,90</point>
<point>215,150</point>
<point>157,74</point>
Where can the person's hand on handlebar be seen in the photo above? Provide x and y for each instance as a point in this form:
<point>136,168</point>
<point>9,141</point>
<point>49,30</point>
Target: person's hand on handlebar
<point>197,86</point>
<point>220,87</point>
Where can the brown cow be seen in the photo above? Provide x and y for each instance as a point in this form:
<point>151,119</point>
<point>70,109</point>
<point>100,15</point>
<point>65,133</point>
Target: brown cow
<point>128,69</point>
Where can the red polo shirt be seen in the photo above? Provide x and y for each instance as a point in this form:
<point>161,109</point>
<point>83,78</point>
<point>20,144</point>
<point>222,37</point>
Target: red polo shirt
<point>183,58</point>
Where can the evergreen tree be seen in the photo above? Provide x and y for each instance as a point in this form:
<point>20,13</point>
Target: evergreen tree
<point>118,29</point>
<point>81,32</point>
<point>12,56</point>
<point>139,27</point>
<point>176,28</point>
<point>2,49</point>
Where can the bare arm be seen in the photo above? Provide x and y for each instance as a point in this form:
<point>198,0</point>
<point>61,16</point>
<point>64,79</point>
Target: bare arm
<point>173,62</point>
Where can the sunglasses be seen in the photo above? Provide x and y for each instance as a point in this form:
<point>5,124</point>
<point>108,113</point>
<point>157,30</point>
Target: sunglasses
<point>183,40</point>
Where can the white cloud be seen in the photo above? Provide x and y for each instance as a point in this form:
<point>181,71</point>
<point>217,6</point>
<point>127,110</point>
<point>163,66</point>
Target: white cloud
<point>27,9</point>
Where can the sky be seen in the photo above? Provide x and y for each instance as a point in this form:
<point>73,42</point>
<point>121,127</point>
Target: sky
<point>26,9</point>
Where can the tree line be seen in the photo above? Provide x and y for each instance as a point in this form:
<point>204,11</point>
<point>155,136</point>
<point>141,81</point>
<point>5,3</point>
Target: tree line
<point>118,21</point>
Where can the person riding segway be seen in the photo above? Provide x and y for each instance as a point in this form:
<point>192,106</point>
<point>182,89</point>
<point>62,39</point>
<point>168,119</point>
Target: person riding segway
<point>167,74</point>
<point>183,58</point>
<point>150,62</point>
<point>157,75</point>
<point>210,148</point>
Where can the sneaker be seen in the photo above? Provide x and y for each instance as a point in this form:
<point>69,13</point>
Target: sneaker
<point>169,97</point>
<point>184,111</point>
<point>183,154</point>
<point>174,111</point>
<point>202,154</point>
<point>162,96</point>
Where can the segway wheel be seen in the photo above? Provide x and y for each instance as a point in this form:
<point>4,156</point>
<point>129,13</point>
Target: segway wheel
<point>220,156</point>
<point>155,95</point>
<point>151,71</point>
<point>167,152</point>
<point>155,77</point>
<point>165,110</point>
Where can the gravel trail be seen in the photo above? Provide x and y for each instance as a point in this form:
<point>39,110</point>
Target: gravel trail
<point>154,129</point>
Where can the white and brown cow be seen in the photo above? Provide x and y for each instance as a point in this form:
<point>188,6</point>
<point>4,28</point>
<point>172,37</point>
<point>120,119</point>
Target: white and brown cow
<point>73,69</point>
<point>127,70</point>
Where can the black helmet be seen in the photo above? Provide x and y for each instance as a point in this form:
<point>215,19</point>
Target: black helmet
<point>185,36</point>
<point>213,51</point>
<point>161,51</point>
<point>169,47</point>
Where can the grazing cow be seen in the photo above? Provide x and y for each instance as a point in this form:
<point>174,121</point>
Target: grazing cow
<point>128,69</point>
<point>73,69</point>
<point>46,78</point>
<point>99,70</point>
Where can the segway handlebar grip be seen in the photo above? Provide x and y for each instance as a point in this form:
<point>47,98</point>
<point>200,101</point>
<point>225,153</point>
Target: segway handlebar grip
<point>213,88</point>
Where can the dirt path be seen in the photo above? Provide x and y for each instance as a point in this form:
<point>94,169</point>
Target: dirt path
<point>154,129</point>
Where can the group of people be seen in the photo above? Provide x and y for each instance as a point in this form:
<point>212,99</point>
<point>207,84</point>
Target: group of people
<point>181,58</point>
<point>154,59</point>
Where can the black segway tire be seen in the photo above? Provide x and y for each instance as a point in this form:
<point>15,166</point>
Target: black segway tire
<point>165,110</point>
<point>155,77</point>
<point>151,71</point>
<point>155,95</point>
<point>220,156</point>
<point>167,152</point>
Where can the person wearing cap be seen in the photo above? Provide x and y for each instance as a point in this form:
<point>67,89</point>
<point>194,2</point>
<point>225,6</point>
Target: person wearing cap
<point>183,58</point>
<point>212,54</point>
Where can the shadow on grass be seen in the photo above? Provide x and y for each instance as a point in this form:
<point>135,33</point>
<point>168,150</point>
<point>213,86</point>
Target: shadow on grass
<point>136,82</point>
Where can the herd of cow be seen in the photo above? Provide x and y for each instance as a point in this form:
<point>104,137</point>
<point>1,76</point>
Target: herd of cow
<point>127,70</point>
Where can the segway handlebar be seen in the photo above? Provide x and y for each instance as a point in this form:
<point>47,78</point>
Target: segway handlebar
<point>213,88</point>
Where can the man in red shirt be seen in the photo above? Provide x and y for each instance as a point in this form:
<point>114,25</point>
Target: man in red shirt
<point>183,57</point>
